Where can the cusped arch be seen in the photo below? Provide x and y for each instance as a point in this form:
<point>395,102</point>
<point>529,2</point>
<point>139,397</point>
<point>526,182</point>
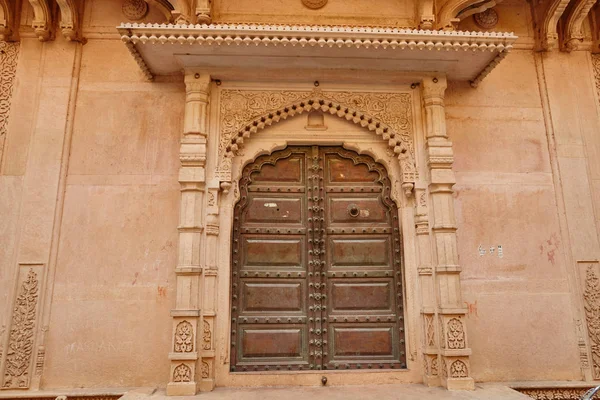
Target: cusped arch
<point>386,119</point>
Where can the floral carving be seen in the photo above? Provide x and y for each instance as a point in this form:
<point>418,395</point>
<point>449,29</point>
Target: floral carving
<point>20,346</point>
<point>182,373</point>
<point>596,65</point>
<point>244,112</point>
<point>205,369</point>
<point>184,337</point>
<point>554,393</point>
<point>9,53</point>
<point>206,336</point>
<point>434,366</point>
<point>458,369</point>
<point>456,334</point>
<point>591,297</point>
<point>487,19</point>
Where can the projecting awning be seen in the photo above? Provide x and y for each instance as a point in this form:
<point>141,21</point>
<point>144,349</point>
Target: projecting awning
<point>164,49</point>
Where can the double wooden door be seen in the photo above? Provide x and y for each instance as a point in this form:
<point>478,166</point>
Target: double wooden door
<point>316,264</point>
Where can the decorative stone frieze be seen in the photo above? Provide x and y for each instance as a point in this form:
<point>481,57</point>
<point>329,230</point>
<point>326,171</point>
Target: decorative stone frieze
<point>554,393</point>
<point>9,54</point>
<point>21,341</point>
<point>591,297</point>
<point>596,67</point>
<point>389,115</point>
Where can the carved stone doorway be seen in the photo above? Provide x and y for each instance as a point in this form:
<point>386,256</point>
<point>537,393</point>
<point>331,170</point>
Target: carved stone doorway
<point>316,264</point>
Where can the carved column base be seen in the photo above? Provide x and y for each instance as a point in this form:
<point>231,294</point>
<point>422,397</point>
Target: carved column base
<point>182,389</point>
<point>459,384</point>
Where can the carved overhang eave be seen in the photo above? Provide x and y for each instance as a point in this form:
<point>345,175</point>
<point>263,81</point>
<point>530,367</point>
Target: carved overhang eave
<point>163,49</point>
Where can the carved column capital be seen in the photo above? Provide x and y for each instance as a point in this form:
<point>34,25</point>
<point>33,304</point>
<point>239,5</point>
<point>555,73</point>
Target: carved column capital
<point>434,89</point>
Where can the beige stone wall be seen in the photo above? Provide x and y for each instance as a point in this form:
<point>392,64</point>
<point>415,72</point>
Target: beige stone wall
<point>89,196</point>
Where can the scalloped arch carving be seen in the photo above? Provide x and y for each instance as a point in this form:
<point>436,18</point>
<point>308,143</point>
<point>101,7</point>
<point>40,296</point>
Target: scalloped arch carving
<point>389,115</point>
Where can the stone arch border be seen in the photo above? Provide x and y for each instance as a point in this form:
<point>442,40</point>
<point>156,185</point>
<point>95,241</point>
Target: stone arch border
<point>389,115</point>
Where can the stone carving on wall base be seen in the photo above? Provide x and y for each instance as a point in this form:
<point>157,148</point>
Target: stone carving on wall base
<point>21,339</point>
<point>554,393</point>
<point>591,297</point>
<point>9,53</point>
<point>389,115</point>
<point>205,370</point>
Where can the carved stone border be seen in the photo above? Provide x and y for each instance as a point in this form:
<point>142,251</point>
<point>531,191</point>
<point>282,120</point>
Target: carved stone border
<point>554,393</point>
<point>389,115</point>
<point>9,54</point>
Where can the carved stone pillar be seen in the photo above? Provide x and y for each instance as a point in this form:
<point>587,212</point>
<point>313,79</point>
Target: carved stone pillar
<point>430,349</point>
<point>209,287</point>
<point>454,350</point>
<point>184,355</point>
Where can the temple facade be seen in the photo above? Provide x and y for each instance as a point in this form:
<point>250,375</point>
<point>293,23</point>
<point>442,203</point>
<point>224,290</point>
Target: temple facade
<point>230,193</point>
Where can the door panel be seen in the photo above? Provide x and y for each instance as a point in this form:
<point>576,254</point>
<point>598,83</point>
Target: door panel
<point>316,277</point>
<point>258,297</point>
<point>354,251</point>
<point>358,296</point>
<point>262,252</point>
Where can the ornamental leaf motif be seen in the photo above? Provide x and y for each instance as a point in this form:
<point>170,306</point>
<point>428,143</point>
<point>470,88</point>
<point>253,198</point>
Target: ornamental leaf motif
<point>456,334</point>
<point>20,346</point>
<point>458,369</point>
<point>184,337</point>
<point>9,53</point>
<point>256,109</point>
<point>206,335</point>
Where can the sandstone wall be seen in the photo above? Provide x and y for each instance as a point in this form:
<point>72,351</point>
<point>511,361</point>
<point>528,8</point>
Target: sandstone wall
<point>89,196</point>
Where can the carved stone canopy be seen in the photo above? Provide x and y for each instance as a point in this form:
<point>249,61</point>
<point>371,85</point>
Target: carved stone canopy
<point>162,49</point>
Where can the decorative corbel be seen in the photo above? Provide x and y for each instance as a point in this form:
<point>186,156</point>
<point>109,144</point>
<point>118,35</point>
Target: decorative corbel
<point>573,33</point>
<point>42,19</point>
<point>454,11</point>
<point>204,11</point>
<point>546,15</point>
<point>595,25</point>
<point>8,17</point>
<point>181,12</point>
<point>70,24</point>
<point>426,14</point>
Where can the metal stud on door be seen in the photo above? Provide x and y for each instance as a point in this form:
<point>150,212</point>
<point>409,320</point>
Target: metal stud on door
<point>316,277</point>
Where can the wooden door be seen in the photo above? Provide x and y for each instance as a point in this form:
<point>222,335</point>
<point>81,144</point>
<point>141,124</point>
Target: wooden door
<point>316,274</point>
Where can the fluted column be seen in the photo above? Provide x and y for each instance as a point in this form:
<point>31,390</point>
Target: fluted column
<point>452,332</point>
<point>185,370</point>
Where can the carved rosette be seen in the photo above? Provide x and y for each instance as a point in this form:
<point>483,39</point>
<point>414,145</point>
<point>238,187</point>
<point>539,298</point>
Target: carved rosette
<point>184,337</point>
<point>182,373</point>
<point>389,115</point>
<point>135,10</point>
<point>20,345</point>
<point>9,53</point>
